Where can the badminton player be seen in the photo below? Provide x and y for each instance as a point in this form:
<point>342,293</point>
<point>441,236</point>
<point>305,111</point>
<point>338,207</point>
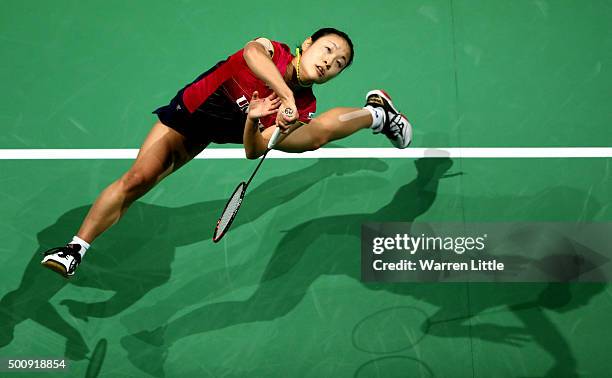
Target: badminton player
<point>214,108</point>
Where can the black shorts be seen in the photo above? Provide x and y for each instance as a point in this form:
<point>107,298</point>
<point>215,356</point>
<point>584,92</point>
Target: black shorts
<point>217,120</point>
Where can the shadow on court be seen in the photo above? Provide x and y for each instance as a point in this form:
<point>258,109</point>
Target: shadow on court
<point>303,255</point>
<point>135,256</point>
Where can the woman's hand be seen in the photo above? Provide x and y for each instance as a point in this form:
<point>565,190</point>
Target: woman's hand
<point>287,115</point>
<point>263,107</point>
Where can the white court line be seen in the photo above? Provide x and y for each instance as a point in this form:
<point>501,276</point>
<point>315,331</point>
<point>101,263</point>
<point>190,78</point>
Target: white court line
<point>326,153</point>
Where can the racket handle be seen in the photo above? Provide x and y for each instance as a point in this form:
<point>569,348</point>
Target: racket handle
<point>274,138</point>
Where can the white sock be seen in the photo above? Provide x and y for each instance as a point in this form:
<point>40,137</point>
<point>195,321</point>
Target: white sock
<point>378,117</point>
<point>84,245</point>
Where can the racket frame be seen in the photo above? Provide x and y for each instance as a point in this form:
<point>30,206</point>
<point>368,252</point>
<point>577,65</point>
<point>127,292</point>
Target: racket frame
<point>216,237</point>
<point>271,144</point>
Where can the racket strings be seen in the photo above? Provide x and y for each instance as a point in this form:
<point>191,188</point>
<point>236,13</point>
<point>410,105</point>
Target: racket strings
<point>230,210</point>
<point>233,204</point>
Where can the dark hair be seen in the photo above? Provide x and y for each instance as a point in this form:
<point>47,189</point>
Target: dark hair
<point>326,31</point>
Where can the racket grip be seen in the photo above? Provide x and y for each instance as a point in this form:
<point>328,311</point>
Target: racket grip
<point>274,138</point>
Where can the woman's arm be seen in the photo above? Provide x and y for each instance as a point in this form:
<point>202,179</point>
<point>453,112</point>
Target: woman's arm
<point>261,64</point>
<point>255,144</point>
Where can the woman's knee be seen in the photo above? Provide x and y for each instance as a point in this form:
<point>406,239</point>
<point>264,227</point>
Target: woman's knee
<point>136,181</point>
<point>321,133</point>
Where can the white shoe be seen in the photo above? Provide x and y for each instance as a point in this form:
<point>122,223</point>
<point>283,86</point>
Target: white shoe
<point>63,260</point>
<point>395,126</point>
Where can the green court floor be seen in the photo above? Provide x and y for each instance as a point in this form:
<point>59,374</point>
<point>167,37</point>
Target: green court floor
<point>281,295</point>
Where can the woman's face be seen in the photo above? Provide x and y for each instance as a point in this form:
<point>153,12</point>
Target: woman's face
<point>323,59</point>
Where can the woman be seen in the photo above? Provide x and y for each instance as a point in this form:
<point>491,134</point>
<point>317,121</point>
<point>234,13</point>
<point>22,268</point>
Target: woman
<point>214,109</point>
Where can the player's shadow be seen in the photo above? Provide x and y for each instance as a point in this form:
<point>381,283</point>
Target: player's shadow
<point>291,270</point>
<point>135,256</point>
<point>331,245</point>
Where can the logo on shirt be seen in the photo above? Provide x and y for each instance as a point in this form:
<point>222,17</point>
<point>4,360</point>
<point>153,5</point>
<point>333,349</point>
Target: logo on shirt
<point>243,104</point>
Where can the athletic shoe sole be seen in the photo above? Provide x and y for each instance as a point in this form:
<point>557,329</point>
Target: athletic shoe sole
<point>408,132</point>
<point>384,95</point>
<point>56,267</point>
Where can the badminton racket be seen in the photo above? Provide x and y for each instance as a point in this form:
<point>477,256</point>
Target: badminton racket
<point>233,204</point>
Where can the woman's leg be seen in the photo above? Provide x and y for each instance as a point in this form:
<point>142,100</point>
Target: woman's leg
<point>379,114</point>
<point>163,152</point>
<point>334,124</point>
